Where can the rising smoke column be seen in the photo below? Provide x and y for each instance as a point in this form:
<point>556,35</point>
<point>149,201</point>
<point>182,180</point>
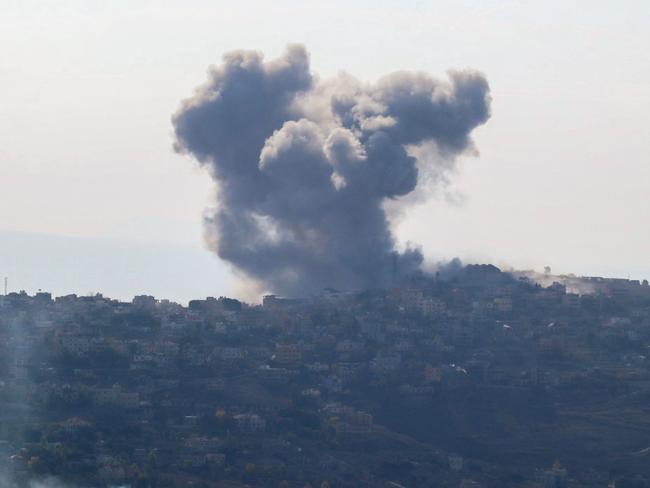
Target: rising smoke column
<point>303,166</point>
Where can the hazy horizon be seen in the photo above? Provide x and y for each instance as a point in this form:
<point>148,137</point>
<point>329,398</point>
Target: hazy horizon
<point>121,269</point>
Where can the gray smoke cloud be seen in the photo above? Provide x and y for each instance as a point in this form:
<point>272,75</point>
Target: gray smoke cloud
<point>304,166</point>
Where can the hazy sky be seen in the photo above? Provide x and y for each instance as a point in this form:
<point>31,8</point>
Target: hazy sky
<point>87,89</point>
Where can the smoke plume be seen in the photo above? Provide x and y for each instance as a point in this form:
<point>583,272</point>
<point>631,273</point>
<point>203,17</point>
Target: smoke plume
<point>304,166</point>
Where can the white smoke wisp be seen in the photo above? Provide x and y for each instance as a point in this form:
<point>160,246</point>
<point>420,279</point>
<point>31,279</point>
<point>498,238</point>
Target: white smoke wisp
<point>8,481</point>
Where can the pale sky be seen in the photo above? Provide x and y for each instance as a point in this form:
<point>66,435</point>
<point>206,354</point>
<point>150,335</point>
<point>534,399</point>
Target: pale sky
<point>87,89</point>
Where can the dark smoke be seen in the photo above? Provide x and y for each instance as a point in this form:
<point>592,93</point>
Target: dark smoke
<point>303,166</point>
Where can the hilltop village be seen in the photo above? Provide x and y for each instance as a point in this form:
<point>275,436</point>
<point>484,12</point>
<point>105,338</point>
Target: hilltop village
<point>476,379</point>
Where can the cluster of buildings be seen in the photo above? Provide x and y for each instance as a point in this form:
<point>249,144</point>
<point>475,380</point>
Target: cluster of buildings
<point>432,383</point>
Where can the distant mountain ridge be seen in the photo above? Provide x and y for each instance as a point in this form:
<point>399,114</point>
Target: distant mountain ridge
<point>119,268</point>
